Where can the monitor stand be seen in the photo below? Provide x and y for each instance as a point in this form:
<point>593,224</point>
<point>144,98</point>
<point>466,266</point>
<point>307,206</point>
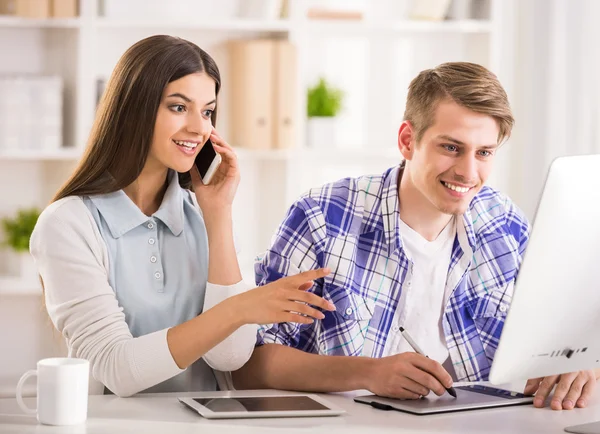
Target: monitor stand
<point>587,428</point>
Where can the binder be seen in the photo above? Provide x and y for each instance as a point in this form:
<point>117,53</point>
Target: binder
<point>8,7</point>
<point>285,86</point>
<point>63,8</point>
<point>263,93</point>
<point>251,104</point>
<point>33,8</point>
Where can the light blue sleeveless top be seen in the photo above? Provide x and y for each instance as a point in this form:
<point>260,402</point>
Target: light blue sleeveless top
<point>158,267</point>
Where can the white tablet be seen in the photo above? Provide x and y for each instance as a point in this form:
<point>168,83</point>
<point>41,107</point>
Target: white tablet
<point>219,407</point>
<point>467,398</point>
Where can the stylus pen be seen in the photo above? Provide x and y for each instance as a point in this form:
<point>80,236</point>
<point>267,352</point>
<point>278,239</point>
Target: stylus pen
<point>418,350</point>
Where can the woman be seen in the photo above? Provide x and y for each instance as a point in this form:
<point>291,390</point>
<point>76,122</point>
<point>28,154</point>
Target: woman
<point>123,250</point>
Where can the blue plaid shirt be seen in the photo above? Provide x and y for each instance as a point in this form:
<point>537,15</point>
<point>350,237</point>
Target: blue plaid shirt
<point>351,226</point>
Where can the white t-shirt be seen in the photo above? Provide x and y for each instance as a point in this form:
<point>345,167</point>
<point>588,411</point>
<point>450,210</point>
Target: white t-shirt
<point>423,296</point>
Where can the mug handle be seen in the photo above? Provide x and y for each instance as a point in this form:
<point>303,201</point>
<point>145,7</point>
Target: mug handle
<point>22,381</point>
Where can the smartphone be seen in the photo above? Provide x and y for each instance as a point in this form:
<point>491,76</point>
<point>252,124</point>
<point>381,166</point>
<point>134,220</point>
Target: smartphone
<point>207,162</point>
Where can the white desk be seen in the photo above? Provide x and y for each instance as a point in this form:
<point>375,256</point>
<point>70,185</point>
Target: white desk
<point>162,413</point>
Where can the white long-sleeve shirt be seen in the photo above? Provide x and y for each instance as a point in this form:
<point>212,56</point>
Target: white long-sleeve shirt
<point>74,262</point>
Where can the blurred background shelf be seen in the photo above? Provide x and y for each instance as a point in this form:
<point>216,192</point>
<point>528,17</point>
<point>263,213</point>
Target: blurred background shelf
<point>371,58</point>
<point>449,26</point>
<point>56,23</point>
<point>65,154</point>
<point>248,25</point>
<point>322,154</point>
<point>398,27</point>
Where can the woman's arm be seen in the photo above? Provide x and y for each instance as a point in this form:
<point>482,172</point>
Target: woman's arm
<point>83,307</point>
<point>224,276</point>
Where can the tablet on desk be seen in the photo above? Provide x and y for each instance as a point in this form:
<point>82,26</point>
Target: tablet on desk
<point>468,398</point>
<point>219,407</point>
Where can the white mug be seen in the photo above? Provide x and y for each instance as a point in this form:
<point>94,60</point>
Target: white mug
<point>62,391</point>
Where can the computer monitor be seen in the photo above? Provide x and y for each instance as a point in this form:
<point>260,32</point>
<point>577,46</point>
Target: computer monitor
<point>553,324</point>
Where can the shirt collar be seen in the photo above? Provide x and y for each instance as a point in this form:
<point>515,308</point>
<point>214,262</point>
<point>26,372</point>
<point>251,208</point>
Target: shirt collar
<point>122,215</point>
<point>390,213</point>
<point>170,211</point>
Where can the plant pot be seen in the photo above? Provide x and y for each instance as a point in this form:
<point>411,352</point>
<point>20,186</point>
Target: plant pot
<point>27,268</point>
<point>321,132</point>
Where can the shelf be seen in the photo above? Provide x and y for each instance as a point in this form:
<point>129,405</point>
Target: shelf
<point>461,26</point>
<point>54,23</point>
<point>68,154</point>
<point>405,26</point>
<point>19,286</point>
<point>317,153</point>
<point>65,154</point>
<point>225,25</point>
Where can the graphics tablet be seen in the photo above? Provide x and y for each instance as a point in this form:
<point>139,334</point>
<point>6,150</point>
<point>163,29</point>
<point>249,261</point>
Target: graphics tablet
<point>219,407</point>
<point>468,398</point>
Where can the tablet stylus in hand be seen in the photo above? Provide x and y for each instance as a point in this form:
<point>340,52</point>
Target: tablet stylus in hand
<point>418,350</point>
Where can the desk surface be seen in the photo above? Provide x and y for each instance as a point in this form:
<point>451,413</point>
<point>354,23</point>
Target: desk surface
<point>162,413</point>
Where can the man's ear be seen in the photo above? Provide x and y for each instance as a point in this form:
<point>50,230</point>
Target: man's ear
<point>406,140</point>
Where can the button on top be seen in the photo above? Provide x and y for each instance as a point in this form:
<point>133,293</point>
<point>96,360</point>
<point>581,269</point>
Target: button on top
<point>502,308</point>
<point>157,275</point>
<point>153,259</point>
<point>349,311</point>
<point>395,328</point>
<point>151,241</point>
<point>150,225</point>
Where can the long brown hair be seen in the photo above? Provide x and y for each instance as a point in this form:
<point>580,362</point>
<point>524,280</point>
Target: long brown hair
<point>122,133</point>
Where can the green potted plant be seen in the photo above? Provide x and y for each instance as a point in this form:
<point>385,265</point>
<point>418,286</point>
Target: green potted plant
<point>17,231</point>
<point>323,104</point>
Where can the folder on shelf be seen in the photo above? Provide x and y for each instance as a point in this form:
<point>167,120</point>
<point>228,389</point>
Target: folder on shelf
<point>33,8</point>
<point>8,7</point>
<point>263,86</point>
<point>284,104</point>
<point>251,93</point>
<point>63,8</point>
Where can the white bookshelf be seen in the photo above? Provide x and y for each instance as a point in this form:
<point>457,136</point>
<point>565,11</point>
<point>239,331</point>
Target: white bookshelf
<point>393,50</point>
<point>399,27</point>
<point>56,23</point>
<point>64,154</point>
<point>240,24</point>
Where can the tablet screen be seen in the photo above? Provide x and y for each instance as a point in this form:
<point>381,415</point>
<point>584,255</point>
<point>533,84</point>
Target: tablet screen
<point>491,391</point>
<point>262,403</point>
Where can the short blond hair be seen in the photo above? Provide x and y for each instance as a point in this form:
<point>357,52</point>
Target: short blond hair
<point>467,84</point>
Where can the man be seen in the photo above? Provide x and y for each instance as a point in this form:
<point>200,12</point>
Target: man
<point>424,246</point>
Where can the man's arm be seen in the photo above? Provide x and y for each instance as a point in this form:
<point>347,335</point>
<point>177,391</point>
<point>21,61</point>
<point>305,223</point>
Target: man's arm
<point>274,366</point>
<point>286,356</point>
<point>404,376</point>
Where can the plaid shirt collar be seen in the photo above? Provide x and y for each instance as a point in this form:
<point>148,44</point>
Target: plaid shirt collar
<point>390,206</point>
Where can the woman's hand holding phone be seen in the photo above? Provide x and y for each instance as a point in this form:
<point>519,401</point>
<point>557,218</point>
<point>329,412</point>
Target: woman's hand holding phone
<point>218,195</point>
<point>285,300</point>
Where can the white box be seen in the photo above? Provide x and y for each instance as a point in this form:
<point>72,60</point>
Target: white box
<point>31,112</point>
